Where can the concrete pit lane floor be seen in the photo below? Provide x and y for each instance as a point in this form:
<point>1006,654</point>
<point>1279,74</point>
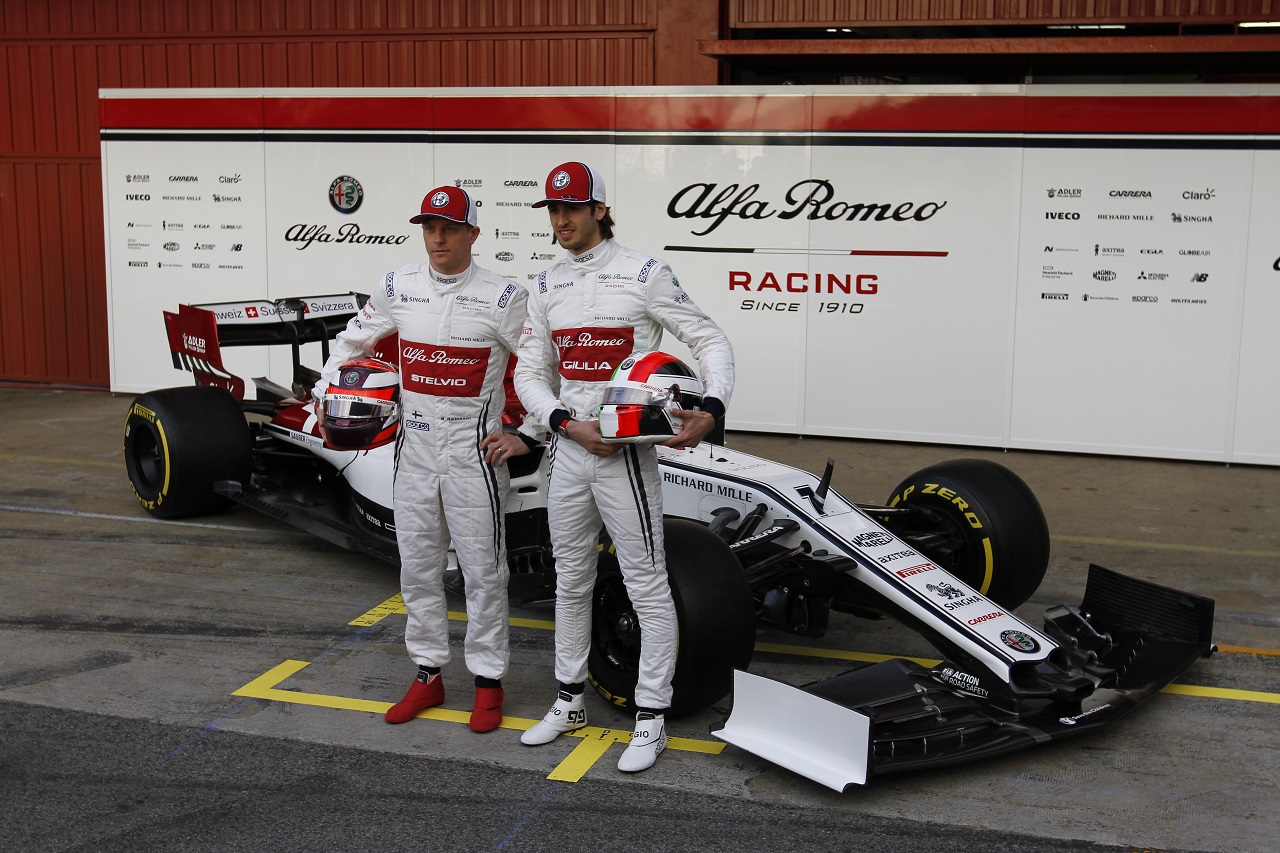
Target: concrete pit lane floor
<point>218,683</point>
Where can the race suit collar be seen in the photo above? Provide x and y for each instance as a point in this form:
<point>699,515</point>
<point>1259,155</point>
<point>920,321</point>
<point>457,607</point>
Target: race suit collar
<point>595,257</point>
<point>446,283</point>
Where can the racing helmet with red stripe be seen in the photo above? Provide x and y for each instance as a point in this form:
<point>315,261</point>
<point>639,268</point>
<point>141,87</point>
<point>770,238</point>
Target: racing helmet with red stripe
<point>641,397</point>
<point>361,407</point>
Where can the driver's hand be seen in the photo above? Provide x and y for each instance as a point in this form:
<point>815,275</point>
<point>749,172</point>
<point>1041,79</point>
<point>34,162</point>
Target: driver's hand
<point>696,425</point>
<point>587,433</point>
<point>499,447</point>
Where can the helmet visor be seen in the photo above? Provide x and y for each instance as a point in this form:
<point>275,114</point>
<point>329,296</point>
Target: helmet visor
<point>636,395</point>
<point>344,406</point>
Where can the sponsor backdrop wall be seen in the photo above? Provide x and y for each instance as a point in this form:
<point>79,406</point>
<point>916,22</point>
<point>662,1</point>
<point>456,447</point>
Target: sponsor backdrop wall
<point>1066,268</point>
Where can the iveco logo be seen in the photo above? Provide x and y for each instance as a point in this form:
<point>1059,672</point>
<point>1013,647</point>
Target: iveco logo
<point>1053,214</point>
<point>143,197</point>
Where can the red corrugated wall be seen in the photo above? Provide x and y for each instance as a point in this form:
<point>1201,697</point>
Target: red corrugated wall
<point>56,54</point>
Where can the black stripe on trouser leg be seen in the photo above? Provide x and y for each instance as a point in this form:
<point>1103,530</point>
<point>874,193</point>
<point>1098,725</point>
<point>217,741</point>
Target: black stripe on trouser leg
<point>491,483</point>
<point>636,476</point>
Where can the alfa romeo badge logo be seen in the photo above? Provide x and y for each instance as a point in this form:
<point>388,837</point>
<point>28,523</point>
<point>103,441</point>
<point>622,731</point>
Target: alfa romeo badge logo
<point>560,181</point>
<point>346,194</point>
<point>440,199</point>
<point>1019,641</point>
<point>351,377</point>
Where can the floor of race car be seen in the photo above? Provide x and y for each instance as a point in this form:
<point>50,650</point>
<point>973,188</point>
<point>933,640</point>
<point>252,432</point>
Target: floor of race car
<point>143,662</point>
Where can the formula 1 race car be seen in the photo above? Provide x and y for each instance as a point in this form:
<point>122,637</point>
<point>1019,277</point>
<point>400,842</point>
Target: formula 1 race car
<point>954,550</point>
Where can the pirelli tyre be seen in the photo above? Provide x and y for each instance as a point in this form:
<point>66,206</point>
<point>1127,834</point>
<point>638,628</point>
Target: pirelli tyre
<point>978,520</point>
<point>178,442</point>
<point>714,610</point>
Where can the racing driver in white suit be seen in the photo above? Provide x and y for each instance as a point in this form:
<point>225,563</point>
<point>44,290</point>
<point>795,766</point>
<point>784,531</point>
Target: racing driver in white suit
<point>588,312</point>
<point>458,325</point>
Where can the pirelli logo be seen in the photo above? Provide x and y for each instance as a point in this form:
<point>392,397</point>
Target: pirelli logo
<point>915,570</point>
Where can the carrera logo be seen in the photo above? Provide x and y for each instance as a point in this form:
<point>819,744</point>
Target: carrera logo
<point>986,617</point>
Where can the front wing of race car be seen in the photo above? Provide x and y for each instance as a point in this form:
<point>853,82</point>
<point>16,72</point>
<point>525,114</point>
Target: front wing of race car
<point>1129,637</point>
<point>1003,685</point>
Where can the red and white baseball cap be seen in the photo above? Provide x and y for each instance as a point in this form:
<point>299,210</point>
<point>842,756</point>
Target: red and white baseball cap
<point>573,183</point>
<point>452,203</point>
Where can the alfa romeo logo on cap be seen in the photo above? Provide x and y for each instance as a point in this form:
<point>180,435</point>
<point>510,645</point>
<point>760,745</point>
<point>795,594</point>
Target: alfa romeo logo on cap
<point>351,377</point>
<point>346,194</point>
<point>560,181</point>
<point>440,199</point>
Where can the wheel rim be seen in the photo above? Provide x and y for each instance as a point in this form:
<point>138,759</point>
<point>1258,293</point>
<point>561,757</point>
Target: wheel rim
<point>614,625</point>
<point>148,462</point>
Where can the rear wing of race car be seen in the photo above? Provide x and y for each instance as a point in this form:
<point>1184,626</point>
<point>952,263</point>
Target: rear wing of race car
<point>197,334</point>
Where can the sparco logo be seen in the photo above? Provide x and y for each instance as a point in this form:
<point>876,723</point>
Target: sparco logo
<point>434,357</point>
<point>1105,275</point>
<point>1130,194</point>
<point>505,256</point>
<point>1146,299</point>
<point>520,183</point>
<point>814,198</point>
<point>345,194</point>
<point>349,233</point>
<point>872,540</point>
<point>184,179</point>
<point>1059,214</point>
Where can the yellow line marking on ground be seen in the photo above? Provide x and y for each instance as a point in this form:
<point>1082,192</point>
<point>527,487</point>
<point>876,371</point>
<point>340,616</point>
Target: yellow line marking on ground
<point>1166,546</point>
<point>395,604</point>
<point>838,654</point>
<point>596,740</point>
<point>1247,650</point>
<point>1223,693</point>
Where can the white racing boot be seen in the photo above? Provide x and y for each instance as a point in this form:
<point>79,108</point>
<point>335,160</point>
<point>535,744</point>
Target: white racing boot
<point>568,714</point>
<point>647,743</point>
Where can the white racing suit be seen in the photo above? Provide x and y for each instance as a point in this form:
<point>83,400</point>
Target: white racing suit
<point>587,314</point>
<point>456,334</point>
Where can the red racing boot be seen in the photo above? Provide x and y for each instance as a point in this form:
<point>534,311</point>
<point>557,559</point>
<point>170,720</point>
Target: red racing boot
<point>422,694</point>
<point>486,715</point>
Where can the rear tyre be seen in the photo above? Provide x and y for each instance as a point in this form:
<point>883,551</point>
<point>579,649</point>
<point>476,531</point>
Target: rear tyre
<point>715,614</point>
<point>178,442</point>
<point>982,523</point>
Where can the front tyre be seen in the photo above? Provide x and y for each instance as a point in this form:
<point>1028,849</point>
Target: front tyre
<point>979,521</point>
<point>715,615</point>
<point>178,442</point>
